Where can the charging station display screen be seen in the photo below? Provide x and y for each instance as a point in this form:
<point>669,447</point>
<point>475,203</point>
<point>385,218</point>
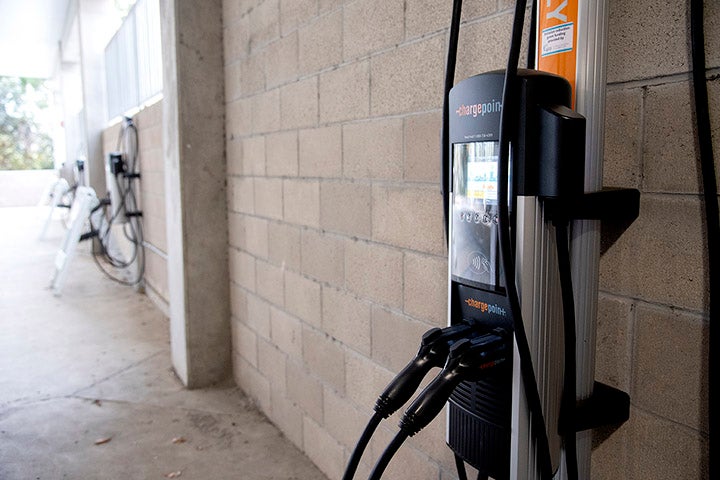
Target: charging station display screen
<point>474,246</point>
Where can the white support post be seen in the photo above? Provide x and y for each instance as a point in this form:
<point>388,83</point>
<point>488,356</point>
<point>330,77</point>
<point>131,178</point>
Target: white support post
<point>85,201</point>
<point>56,192</point>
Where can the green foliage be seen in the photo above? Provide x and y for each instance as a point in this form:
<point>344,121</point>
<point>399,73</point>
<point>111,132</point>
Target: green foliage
<point>24,144</point>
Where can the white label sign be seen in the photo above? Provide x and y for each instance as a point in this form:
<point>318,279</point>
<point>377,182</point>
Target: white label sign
<point>557,39</point>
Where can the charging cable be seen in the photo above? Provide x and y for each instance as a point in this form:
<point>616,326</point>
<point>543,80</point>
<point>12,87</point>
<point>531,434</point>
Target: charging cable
<point>537,419</point>
<point>468,359</point>
<point>433,352</point>
<point>125,172</point>
<point>569,398</point>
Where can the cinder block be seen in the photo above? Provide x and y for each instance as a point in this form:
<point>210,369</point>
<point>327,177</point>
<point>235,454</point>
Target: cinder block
<point>302,202</point>
<point>671,357</point>
<point>714,101</point>
<point>282,154</point>
<point>372,25</point>
<point>407,463</point>
<point>324,357</point>
<point>364,379</point>
<point>233,89</point>
<point>247,5</point>
<point>669,160</point>
<point>284,245</point>
<point>238,303</point>
<point>347,319</point>
<point>258,316</point>
<point>395,338</point>
<point>269,197</point>
<point>345,208</point>
<point>242,269</point>
<point>609,456</point>
<point>271,363</point>
<point>373,149</point>
<point>472,60</point>
<point>345,93</point>
<point>322,256</point>
<point>621,162</point>
<point>642,40</point>
<point>296,12</point>
<point>287,416</point>
<point>664,449</point>
<point>422,147</point>
<point>236,230</point>
<point>320,43</point>
<point>305,390</point>
<point>299,104</point>
<point>231,12</point>
<point>256,236</point>
<point>241,195</point>
<point>244,342</point>
<point>321,152</point>
<point>252,382</point>
<point>302,298</point>
<point>253,149</point>
<point>265,111</point>
<point>409,217</point>
<point>151,114</point>
<point>322,449</point>
<point>375,272</point>
<point>238,120</point>
<point>426,16</point>
<point>235,40</point>
<point>269,281</point>
<point>343,421</point>
<point>281,60</point>
<point>156,275</point>
<point>264,23</point>
<point>613,344</point>
<point>252,73</point>
<point>149,136</point>
<point>329,5</point>
<point>234,153</point>
<point>407,79</point>
<point>286,333</point>
<point>426,287</point>
<point>660,257</point>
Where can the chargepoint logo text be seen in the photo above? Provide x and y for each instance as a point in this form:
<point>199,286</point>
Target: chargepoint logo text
<point>482,109</point>
<point>485,307</point>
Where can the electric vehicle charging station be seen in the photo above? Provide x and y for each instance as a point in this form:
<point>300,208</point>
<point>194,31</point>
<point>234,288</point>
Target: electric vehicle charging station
<point>516,179</point>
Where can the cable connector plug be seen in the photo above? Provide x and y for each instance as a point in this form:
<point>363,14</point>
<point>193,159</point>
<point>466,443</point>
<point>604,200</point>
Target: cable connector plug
<point>468,359</point>
<point>433,352</point>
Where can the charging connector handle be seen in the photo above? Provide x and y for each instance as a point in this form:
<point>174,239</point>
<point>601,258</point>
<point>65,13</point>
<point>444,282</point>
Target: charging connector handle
<point>467,360</point>
<point>433,352</point>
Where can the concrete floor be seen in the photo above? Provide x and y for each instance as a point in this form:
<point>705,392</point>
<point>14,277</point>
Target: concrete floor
<point>86,387</point>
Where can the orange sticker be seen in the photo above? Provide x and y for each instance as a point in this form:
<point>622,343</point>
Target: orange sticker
<point>557,39</point>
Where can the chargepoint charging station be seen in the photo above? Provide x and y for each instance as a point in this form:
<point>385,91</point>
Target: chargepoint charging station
<point>522,177</point>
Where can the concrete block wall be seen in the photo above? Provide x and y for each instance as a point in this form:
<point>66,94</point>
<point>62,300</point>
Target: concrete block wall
<point>151,196</point>
<point>653,324</point>
<point>336,247</point>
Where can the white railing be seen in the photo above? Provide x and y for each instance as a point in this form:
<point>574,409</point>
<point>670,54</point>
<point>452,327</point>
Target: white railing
<point>133,60</point>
